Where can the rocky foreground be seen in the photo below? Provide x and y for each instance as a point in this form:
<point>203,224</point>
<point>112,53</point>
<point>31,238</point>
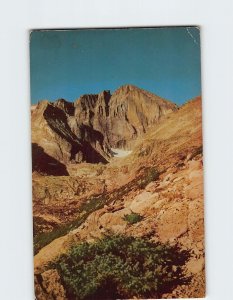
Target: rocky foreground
<point>161,181</point>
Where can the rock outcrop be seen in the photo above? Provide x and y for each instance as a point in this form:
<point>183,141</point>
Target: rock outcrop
<point>48,286</point>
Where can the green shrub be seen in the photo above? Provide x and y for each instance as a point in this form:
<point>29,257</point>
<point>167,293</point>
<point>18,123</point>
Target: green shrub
<point>133,218</point>
<point>151,174</point>
<point>121,267</point>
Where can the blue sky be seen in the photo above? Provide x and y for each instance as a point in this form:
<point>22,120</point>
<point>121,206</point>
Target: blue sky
<point>69,63</point>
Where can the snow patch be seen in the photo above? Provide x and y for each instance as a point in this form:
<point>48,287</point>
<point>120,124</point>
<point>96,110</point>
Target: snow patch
<point>120,152</point>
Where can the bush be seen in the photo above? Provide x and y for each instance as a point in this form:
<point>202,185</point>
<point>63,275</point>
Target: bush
<point>121,267</point>
<point>150,175</point>
<point>133,218</point>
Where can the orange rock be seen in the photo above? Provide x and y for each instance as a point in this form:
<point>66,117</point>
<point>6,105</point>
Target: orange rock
<point>172,222</point>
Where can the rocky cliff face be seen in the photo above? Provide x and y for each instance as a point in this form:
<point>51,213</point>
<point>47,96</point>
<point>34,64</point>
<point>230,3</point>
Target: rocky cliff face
<point>121,117</point>
<point>51,132</point>
<point>86,130</point>
<point>131,112</point>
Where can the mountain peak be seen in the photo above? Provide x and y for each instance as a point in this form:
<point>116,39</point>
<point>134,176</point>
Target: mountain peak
<point>102,120</point>
<point>126,88</point>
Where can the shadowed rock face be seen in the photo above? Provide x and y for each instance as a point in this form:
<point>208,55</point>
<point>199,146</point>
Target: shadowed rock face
<point>45,164</point>
<point>91,113</point>
<point>66,106</point>
<point>51,131</point>
<point>86,130</point>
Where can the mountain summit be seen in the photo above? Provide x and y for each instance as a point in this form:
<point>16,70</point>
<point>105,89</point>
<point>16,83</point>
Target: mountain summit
<point>131,112</point>
<point>86,130</point>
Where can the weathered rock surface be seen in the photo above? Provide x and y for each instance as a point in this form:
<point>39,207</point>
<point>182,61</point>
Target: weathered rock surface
<point>131,112</point>
<point>48,286</point>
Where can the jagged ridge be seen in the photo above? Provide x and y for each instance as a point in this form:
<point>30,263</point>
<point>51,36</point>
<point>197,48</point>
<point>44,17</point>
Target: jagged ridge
<point>87,129</point>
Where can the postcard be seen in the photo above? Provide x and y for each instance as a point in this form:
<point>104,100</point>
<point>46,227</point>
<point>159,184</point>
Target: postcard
<point>117,163</point>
